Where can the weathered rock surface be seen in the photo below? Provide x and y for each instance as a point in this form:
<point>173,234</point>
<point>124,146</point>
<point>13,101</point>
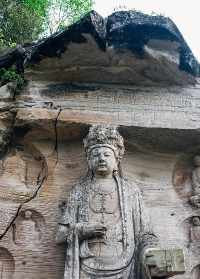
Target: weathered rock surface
<point>127,47</point>
<point>131,70</point>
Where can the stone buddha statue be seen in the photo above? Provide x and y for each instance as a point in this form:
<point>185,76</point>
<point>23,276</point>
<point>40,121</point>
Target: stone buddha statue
<point>104,223</point>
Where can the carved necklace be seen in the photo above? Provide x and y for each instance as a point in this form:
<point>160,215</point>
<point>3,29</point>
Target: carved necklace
<point>97,188</point>
<point>100,200</point>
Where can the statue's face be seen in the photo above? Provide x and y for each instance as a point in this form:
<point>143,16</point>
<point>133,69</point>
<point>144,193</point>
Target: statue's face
<point>196,221</point>
<point>102,161</point>
<point>27,214</point>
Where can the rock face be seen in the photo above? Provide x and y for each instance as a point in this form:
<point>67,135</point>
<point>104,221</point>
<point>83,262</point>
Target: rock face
<point>130,70</point>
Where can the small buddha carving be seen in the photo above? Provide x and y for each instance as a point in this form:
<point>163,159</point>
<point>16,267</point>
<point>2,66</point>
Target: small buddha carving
<point>7,264</point>
<point>13,172</point>
<point>27,232</point>
<point>195,198</point>
<point>195,229</point>
<point>196,272</point>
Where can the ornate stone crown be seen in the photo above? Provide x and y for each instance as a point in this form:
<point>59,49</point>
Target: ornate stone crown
<point>104,135</point>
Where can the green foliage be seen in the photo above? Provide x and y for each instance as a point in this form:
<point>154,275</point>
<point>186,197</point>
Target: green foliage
<point>22,21</point>
<point>5,43</point>
<point>10,75</point>
<point>61,13</point>
<point>38,6</point>
<point>19,23</point>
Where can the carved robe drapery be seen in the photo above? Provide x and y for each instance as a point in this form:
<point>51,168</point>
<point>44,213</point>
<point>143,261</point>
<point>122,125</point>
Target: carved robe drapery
<point>135,235</point>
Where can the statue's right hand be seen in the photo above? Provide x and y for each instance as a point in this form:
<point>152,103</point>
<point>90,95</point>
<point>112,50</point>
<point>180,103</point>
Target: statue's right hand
<point>91,230</point>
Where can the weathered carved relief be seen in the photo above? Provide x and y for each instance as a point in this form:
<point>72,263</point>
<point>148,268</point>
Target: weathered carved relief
<point>181,174</point>
<point>21,171</point>
<point>195,230</point>
<point>186,178</point>
<point>28,229</point>
<point>196,272</point>
<point>13,171</point>
<point>191,228</point>
<point>7,264</point>
<point>104,223</point>
<point>195,180</point>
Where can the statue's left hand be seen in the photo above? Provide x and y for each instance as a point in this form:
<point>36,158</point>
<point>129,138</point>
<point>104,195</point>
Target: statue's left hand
<point>163,263</point>
<point>154,264</point>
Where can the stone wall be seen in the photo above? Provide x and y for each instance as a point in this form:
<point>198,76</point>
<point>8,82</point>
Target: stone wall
<point>45,158</point>
<point>82,77</point>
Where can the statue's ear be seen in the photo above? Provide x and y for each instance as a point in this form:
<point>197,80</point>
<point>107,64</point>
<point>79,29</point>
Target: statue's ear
<point>117,167</point>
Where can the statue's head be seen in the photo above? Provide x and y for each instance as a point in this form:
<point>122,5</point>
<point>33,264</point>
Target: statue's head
<point>104,148</point>
<point>197,160</point>
<point>196,221</point>
<point>27,214</point>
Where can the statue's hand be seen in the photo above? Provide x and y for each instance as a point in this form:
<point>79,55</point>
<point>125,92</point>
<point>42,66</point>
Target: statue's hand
<point>155,265</point>
<point>87,231</point>
<point>164,263</point>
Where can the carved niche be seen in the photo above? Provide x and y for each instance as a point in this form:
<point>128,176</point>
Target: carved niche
<point>28,229</point>
<point>21,171</point>
<point>195,181</point>
<point>7,264</point>
<point>196,272</point>
<point>186,178</point>
<point>191,232</point>
<point>194,232</point>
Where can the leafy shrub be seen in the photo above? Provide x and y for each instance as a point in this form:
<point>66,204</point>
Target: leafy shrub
<point>11,75</point>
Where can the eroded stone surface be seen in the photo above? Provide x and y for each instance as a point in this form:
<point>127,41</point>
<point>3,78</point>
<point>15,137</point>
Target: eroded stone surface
<point>126,48</point>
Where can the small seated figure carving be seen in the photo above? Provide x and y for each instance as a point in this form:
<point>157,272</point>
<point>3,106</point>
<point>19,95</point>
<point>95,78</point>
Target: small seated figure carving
<point>6,264</point>
<point>26,231</point>
<point>195,198</point>
<point>195,229</point>
<point>13,172</point>
<point>196,272</point>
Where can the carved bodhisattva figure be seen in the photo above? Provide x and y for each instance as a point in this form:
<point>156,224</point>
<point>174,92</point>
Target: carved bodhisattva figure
<point>104,223</point>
